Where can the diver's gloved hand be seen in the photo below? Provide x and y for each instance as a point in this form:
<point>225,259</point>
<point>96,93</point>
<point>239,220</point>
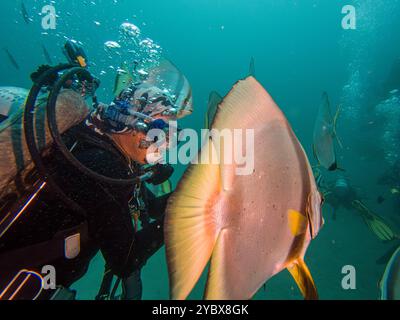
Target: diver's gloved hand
<point>162,172</point>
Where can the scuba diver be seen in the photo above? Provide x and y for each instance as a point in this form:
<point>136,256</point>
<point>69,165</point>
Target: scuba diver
<point>94,192</point>
<point>340,193</point>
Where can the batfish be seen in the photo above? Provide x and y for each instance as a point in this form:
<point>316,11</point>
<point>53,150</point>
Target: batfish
<point>11,58</point>
<point>390,283</point>
<point>324,136</point>
<point>250,227</point>
<point>25,13</point>
<point>46,55</point>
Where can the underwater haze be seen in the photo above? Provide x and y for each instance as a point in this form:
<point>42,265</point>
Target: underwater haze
<point>301,50</point>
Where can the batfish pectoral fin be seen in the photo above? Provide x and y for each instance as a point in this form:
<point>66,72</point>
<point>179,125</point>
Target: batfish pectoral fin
<point>301,274</point>
<point>216,288</point>
<point>190,225</point>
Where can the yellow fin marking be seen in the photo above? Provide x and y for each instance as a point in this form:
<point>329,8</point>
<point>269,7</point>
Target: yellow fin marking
<point>297,222</point>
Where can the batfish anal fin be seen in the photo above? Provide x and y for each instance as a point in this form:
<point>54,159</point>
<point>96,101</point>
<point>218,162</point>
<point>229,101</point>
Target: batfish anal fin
<point>226,280</point>
<point>302,275</point>
<point>190,225</point>
<point>216,288</point>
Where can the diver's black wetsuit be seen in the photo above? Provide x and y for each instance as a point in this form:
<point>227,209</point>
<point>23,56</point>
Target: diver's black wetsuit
<point>109,222</point>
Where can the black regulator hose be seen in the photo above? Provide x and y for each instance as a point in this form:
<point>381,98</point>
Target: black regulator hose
<point>81,73</point>
<point>29,130</point>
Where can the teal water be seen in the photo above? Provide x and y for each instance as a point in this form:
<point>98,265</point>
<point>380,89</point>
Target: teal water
<point>300,50</point>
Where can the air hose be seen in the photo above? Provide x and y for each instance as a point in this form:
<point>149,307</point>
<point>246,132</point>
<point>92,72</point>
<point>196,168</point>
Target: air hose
<point>81,73</point>
<point>30,137</point>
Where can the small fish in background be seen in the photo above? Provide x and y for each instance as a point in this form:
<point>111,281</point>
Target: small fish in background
<point>25,13</point>
<point>11,58</point>
<point>325,135</point>
<point>380,199</point>
<point>47,55</point>
<point>395,190</point>
<point>394,91</point>
<point>390,283</point>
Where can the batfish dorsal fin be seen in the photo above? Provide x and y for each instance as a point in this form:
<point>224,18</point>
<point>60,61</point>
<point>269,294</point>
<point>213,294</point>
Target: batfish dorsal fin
<point>326,109</point>
<point>249,95</point>
<point>252,67</point>
<point>302,275</point>
<point>214,100</point>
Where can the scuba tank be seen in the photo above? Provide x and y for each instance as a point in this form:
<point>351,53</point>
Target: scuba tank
<point>16,164</point>
<point>27,130</point>
<point>71,109</point>
<point>31,122</point>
